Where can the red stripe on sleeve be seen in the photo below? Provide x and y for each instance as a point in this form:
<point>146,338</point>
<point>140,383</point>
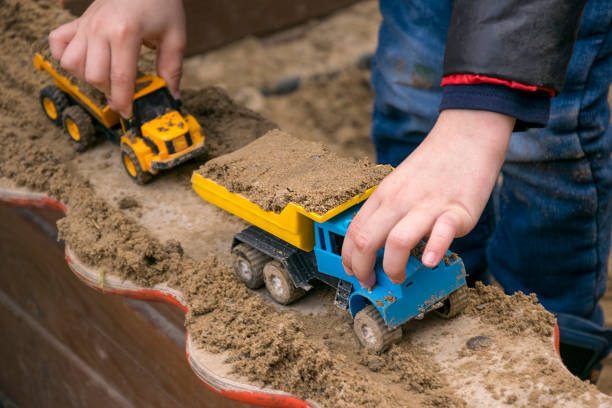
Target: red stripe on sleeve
<point>471,79</point>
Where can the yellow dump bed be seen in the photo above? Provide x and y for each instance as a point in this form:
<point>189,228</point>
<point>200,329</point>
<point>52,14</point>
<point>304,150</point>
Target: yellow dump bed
<point>294,224</point>
<point>105,115</point>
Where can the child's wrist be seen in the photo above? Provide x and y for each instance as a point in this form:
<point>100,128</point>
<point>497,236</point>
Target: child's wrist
<point>486,131</point>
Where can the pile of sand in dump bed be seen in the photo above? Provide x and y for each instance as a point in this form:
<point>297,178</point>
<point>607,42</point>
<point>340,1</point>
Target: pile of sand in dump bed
<point>278,169</point>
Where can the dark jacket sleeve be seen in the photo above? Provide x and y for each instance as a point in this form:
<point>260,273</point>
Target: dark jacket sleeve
<point>527,41</point>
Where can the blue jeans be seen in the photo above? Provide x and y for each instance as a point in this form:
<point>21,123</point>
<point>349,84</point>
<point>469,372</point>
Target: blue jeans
<point>547,226</point>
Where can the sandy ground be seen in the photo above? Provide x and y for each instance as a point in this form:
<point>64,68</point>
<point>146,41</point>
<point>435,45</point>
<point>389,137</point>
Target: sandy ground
<point>123,229</point>
<point>322,108</point>
<point>321,46</point>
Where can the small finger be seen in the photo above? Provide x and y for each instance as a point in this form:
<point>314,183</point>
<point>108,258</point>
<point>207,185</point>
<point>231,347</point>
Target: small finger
<point>442,234</point>
<point>97,68</point>
<point>124,66</point>
<point>60,38</point>
<point>367,209</point>
<point>75,56</point>
<point>404,236</point>
<point>170,61</point>
<point>368,239</point>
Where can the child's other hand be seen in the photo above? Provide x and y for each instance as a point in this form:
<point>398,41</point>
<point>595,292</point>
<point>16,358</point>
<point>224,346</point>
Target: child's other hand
<point>439,191</point>
<point>102,46</point>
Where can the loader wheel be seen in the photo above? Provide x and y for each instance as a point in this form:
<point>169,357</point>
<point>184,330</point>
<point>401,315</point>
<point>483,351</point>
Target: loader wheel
<point>454,303</point>
<point>279,284</point>
<point>372,331</point>
<point>248,264</point>
<point>132,166</point>
<point>53,102</point>
<point>79,126</point>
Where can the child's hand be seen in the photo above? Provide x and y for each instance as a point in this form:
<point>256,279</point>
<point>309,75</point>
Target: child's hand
<point>102,46</point>
<point>439,191</point>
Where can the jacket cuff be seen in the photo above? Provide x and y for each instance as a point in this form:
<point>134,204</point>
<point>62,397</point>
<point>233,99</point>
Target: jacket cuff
<point>471,79</point>
<point>531,109</point>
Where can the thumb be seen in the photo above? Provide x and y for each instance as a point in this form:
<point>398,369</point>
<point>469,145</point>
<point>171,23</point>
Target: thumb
<point>170,60</point>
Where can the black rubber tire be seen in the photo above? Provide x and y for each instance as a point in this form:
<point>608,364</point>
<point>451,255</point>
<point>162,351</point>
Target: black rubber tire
<point>279,284</point>
<point>74,117</point>
<point>454,303</point>
<point>59,100</point>
<point>137,174</point>
<point>372,331</point>
<point>248,264</point>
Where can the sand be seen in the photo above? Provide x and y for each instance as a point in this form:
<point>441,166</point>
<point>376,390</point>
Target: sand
<point>278,169</point>
<point>320,46</point>
<point>314,357</point>
<point>335,109</point>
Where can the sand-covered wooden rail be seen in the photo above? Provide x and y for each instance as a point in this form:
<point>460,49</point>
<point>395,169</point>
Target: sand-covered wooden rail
<point>477,355</point>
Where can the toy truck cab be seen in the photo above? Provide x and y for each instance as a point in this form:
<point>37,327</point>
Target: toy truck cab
<point>158,136</point>
<point>380,312</point>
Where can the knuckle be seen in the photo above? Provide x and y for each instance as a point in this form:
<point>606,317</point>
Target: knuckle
<point>119,78</point>
<point>95,79</point>
<point>98,26</point>
<point>398,240</point>
<point>173,74</point>
<point>69,64</point>
<point>123,29</point>
<point>178,44</point>
<point>53,37</point>
<point>449,219</point>
<point>363,243</point>
<point>437,235</point>
<point>351,232</point>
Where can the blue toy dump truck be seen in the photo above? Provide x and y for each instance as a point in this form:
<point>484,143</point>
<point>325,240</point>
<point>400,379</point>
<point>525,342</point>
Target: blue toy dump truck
<point>286,251</point>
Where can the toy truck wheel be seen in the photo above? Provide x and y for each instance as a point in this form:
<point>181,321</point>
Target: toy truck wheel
<point>454,303</point>
<point>248,264</point>
<point>53,102</point>
<point>372,331</point>
<point>132,166</point>
<point>279,284</point>
<point>79,126</point>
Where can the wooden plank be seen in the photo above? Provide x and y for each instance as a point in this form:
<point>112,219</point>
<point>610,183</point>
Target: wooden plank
<point>211,24</point>
<point>63,344</point>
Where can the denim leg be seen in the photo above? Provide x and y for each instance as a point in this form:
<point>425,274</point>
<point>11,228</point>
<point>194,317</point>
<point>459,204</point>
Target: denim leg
<point>406,76</point>
<point>553,201</point>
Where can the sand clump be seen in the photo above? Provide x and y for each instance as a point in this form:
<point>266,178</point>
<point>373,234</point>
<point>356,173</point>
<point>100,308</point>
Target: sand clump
<point>278,169</point>
<point>516,315</point>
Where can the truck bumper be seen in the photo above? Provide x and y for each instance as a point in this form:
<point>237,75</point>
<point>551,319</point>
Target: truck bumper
<point>157,165</point>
